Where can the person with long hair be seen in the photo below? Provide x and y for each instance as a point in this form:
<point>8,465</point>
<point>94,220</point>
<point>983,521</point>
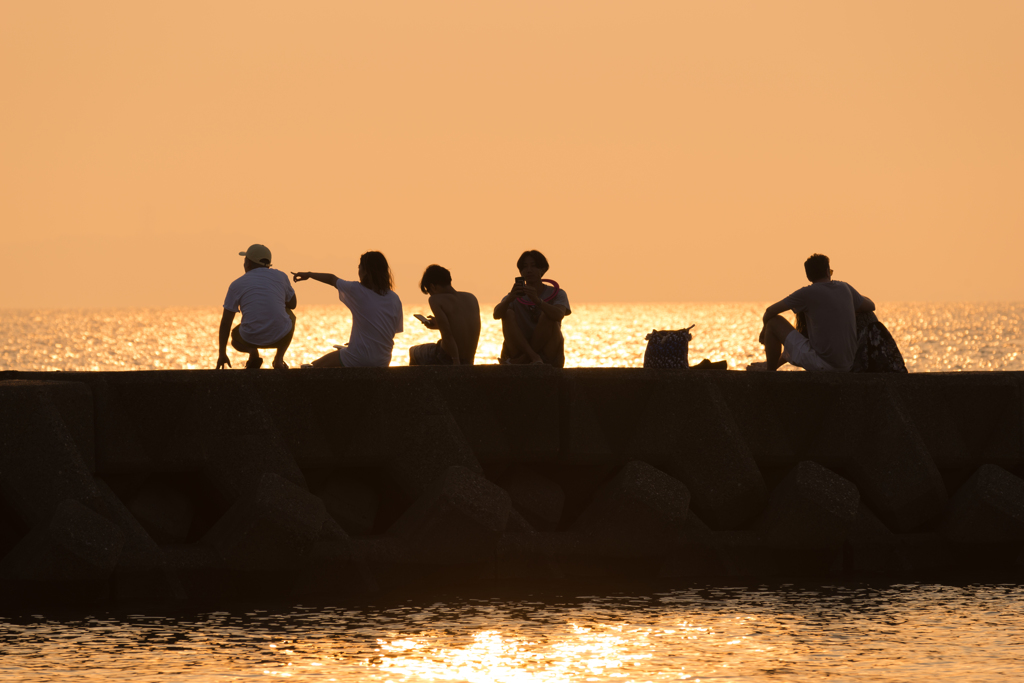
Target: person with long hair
<point>376,314</point>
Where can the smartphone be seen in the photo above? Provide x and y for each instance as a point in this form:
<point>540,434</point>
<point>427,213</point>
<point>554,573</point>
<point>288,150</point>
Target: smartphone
<point>420,318</point>
<point>520,281</point>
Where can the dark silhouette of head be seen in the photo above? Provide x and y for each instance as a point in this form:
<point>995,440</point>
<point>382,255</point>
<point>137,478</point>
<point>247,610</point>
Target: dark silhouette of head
<point>817,267</point>
<point>538,260</point>
<point>375,273</point>
<point>435,275</point>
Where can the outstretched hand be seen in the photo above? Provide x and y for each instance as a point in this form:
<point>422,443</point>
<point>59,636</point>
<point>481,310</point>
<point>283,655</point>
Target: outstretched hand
<point>299,277</point>
<point>222,361</point>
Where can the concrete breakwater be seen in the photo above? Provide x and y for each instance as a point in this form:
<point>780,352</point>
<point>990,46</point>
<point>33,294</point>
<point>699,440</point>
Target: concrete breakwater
<point>329,483</point>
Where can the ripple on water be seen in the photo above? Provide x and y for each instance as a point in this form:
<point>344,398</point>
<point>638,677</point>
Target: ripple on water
<point>932,337</point>
<point>894,633</point>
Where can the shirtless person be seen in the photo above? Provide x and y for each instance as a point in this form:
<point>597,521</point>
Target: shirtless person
<point>456,315</point>
<point>831,308</point>
<point>533,330</point>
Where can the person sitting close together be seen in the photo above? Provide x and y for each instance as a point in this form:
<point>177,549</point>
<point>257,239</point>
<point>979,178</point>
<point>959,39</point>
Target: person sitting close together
<point>830,308</point>
<point>456,315</point>
<point>376,314</point>
<point>265,299</point>
<point>531,316</point>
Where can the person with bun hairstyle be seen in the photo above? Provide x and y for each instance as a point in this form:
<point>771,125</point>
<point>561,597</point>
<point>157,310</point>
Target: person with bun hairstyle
<point>376,314</point>
<point>531,315</point>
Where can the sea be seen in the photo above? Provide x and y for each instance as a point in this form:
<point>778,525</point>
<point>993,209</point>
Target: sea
<point>762,632</point>
<point>933,337</point>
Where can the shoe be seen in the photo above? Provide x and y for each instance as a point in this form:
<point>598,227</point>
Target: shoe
<point>253,364</point>
<point>281,366</point>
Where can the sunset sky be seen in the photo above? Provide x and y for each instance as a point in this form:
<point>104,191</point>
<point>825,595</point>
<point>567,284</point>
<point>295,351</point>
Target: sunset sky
<point>655,151</point>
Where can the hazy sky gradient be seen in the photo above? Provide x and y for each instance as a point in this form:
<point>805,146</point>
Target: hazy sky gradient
<point>655,151</point>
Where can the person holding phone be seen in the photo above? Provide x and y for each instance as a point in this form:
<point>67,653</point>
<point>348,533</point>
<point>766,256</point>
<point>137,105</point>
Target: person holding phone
<point>376,314</point>
<point>456,315</point>
<point>531,315</point>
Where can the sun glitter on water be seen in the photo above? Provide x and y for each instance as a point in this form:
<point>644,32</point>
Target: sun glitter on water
<point>932,337</point>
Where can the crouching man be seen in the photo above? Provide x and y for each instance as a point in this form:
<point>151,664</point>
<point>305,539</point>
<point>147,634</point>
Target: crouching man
<point>265,298</point>
<point>456,315</point>
<point>830,308</point>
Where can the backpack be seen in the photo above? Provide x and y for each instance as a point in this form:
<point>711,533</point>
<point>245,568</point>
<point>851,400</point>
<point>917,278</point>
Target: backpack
<point>876,349</point>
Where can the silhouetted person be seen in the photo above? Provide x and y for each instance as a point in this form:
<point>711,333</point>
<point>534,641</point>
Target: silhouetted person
<point>376,314</point>
<point>456,315</point>
<point>531,316</point>
<point>266,299</point>
<point>829,308</point>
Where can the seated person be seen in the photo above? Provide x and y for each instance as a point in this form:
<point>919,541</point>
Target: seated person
<point>376,314</point>
<point>533,330</point>
<point>830,309</point>
<point>456,315</point>
<point>266,300</point>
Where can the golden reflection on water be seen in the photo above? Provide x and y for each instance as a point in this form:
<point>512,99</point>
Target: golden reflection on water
<point>932,337</point>
<point>902,632</point>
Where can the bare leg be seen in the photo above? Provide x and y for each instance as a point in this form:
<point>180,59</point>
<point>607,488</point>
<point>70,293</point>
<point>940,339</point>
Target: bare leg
<point>515,340</point>
<point>549,342</point>
<point>775,332</point>
<point>331,360</point>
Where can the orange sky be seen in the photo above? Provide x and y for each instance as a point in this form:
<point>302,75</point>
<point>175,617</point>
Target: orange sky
<point>655,151</point>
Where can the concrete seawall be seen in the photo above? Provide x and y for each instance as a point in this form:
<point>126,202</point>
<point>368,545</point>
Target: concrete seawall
<point>332,483</point>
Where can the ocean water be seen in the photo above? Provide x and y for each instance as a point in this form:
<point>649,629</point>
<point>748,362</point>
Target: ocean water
<point>934,337</point>
<point>908,632</point>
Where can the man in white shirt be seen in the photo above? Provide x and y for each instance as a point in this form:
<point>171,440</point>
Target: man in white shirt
<point>830,308</point>
<point>265,298</point>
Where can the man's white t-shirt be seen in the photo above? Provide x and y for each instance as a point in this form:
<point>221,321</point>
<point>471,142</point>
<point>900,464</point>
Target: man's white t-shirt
<point>376,320</point>
<point>260,296</point>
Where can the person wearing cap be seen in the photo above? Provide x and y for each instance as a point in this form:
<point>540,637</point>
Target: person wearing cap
<point>265,298</point>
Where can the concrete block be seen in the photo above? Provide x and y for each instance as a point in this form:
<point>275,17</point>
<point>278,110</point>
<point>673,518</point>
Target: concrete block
<point>41,465</point>
<point>690,429</point>
<point>507,415</point>
<point>459,518</point>
<point>72,401</point>
<point>641,512</point>
<point>988,508</point>
<point>537,498</point>
<point>759,554</point>
<point>776,414</point>
<point>76,545</point>
<point>350,502</point>
<point>141,571</point>
<point>695,554</point>
<point>868,437</point>
<point>967,419</point>
<point>678,422</point>
<point>164,512</point>
<point>269,529</point>
<point>240,442</point>
<point>812,504</point>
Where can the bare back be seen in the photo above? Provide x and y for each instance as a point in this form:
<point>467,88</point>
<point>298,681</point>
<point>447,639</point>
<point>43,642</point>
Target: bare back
<point>463,314</point>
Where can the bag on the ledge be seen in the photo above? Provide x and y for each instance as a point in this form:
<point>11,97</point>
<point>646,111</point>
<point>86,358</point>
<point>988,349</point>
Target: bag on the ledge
<point>668,348</point>
<point>876,349</point>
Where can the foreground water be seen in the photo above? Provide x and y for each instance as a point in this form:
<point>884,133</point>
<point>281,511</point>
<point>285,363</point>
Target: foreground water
<point>909,632</point>
<point>933,337</point>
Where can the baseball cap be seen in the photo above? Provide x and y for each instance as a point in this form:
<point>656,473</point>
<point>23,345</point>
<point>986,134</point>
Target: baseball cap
<point>257,253</point>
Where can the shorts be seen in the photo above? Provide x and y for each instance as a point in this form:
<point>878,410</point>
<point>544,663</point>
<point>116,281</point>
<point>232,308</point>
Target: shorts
<point>430,354</point>
<point>240,344</point>
<point>799,353</point>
